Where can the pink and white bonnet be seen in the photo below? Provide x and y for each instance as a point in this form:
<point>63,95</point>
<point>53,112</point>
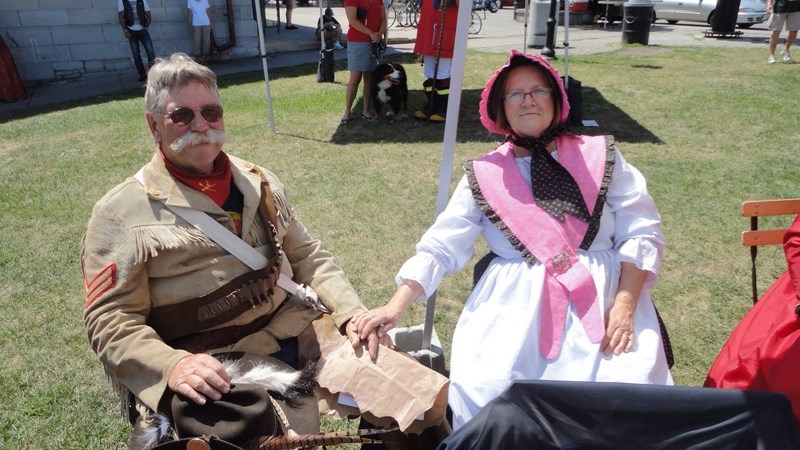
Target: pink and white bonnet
<point>487,118</point>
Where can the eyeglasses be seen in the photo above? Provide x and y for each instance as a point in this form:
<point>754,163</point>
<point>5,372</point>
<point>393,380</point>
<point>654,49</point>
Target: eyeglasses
<point>539,93</point>
<point>184,116</point>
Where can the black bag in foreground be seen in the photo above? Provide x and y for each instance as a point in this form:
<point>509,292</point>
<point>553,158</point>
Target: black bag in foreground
<point>325,70</point>
<point>538,415</point>
<point>575,97</point>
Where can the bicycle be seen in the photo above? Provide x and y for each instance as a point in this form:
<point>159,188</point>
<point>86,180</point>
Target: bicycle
<point>406,15</point>
<point>391,15</point>
<point>476,23</point>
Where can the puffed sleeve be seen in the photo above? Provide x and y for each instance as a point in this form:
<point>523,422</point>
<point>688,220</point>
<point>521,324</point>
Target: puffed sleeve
<point>447,246</point>
<point>639,238</point>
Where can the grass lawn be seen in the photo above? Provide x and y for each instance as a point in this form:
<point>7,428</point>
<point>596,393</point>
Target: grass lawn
<point>708,127</point>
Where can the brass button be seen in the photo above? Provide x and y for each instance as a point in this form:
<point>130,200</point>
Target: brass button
<point>154,192</point>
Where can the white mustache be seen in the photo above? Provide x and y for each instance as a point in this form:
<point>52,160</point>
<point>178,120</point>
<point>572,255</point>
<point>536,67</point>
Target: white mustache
<point>191,138</point>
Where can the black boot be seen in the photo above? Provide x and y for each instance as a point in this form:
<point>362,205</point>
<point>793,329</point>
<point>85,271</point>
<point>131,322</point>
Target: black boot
<point>440,99</point>
<point>424,113</point>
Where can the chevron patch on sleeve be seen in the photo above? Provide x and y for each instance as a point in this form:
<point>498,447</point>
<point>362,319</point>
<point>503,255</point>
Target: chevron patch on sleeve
<point>103,281</point>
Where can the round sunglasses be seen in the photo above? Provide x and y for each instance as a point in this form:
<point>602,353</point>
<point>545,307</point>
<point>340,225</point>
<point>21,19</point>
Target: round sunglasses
<point>183,116</point>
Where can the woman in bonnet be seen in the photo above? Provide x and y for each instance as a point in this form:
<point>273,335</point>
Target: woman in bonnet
<point>575,243</point>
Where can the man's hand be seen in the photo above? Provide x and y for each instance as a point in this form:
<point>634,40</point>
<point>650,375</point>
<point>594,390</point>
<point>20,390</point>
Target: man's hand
<point>370,327</point>
<point>372,340</point>
<point>199,377</point>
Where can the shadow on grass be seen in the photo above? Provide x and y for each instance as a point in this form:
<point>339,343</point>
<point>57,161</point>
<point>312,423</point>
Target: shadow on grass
<point>614,120</point>
<point>611,120</point>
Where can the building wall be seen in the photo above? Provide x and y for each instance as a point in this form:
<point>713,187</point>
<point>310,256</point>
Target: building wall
<point>64,39</point>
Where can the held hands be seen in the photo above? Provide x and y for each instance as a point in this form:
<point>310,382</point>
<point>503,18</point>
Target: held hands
<point>199,377</point>
<point>619,329</point>
<point>371,328</point>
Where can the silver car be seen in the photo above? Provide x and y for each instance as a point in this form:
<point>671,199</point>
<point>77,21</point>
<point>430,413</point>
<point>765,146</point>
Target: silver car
<point>751,12</point>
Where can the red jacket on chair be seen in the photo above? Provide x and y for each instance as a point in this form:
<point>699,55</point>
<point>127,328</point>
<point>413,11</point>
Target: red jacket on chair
<point>763,352</point>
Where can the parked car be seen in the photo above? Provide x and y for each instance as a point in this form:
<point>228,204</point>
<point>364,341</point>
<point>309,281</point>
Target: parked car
<point>751,12</point>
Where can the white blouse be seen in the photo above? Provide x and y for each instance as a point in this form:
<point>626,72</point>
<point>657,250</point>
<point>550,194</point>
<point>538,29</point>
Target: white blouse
<point>496,340</point>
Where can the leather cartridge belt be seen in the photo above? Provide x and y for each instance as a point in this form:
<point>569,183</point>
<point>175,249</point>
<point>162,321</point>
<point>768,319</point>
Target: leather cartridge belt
<point>215,308</point>
<point>221,337</point>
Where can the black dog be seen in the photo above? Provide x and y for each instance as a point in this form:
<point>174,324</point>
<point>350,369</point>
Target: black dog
<point>390,90</point>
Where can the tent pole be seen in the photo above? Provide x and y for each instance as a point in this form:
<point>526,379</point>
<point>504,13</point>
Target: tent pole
<point>448,143</point>
<point>262,51</point>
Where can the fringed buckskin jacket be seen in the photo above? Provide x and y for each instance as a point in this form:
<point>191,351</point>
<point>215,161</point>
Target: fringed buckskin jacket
<point>137,255</point>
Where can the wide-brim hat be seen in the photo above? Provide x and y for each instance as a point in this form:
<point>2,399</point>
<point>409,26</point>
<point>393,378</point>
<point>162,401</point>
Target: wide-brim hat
<point>251,408</point>
<point>198,443</point>
<point>487,115</point>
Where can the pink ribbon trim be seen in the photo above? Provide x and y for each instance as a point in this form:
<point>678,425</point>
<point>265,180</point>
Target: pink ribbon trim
<point>552,243</point>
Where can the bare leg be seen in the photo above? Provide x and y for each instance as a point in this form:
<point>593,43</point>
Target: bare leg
<point>773,41</point>
<point>350,96</point>
<point>790,40</point>
<point>367,92</point>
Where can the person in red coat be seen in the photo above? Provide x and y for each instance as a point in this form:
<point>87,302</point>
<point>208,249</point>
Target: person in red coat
<point>763,352</point>
<point>436,37</point>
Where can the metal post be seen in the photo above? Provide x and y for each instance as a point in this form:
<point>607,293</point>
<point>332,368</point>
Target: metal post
<point>548,50</point>
<point>263,53</point>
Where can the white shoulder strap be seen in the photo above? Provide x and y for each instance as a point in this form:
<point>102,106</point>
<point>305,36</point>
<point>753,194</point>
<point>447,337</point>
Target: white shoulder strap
<point>240,249</point>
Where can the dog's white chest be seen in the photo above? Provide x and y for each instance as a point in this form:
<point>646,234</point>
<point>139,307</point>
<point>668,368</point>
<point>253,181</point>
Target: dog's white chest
<point>385,84</point>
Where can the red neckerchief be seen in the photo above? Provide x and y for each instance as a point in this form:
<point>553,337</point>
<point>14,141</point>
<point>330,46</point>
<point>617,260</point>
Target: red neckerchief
<point>216,185</point>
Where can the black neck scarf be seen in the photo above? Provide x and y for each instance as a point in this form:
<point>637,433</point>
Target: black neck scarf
<point>553,187</point>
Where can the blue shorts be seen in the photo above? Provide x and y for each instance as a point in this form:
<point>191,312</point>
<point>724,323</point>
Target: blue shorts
<point>359,58</point>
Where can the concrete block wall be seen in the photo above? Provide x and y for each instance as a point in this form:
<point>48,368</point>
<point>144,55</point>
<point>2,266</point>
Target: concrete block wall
<point>53,40</point>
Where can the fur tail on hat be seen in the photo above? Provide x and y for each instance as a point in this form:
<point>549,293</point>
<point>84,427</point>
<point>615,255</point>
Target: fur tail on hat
<point>287,385</point>
<point>154,431</point>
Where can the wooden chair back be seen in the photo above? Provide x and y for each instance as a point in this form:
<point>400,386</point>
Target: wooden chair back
<point>755,237</point>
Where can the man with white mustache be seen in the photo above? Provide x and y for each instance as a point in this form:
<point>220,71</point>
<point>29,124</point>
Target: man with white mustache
<point>163,295</point>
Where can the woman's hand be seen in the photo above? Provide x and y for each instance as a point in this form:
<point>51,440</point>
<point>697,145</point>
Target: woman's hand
<point>199,377</point>
<point>619,336</point>
<point>619,329</point>
<point>380,320</point>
